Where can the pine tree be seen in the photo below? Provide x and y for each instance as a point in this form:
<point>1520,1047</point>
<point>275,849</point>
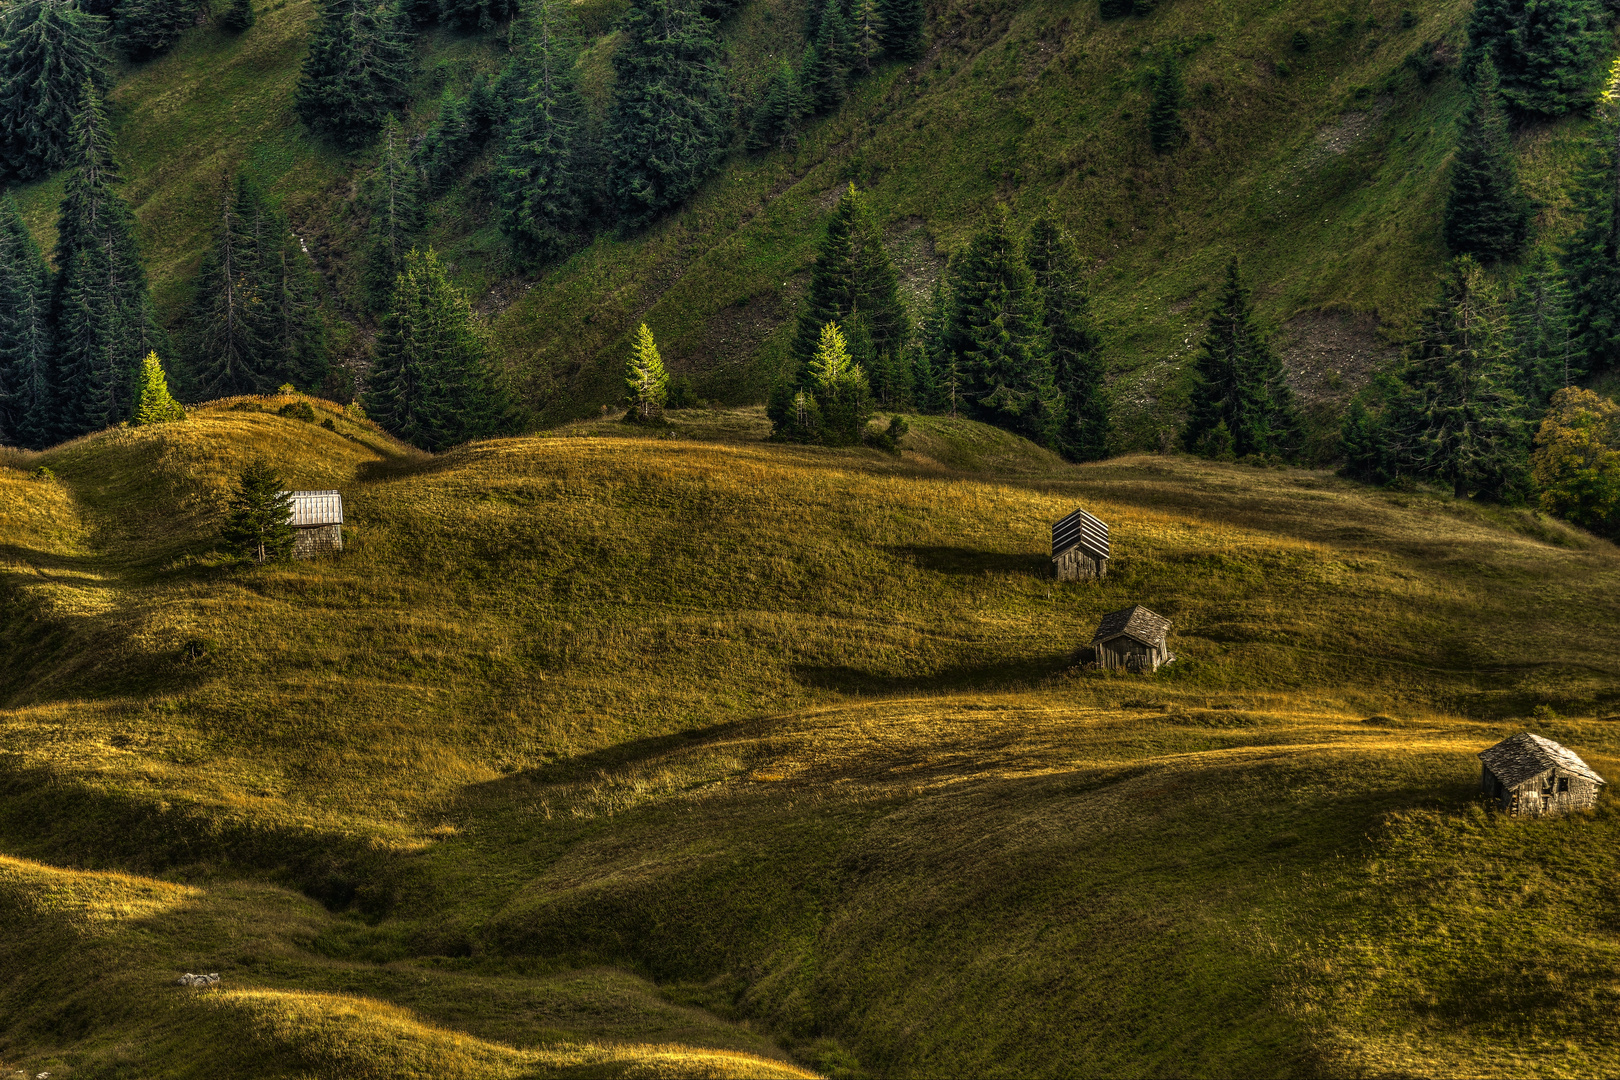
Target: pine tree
<point>1363,443</point>
<point>840,388</point>
<point>1591,257</point>
<point>865,34</point>
<point>484,14</point>
<point>357,69</point>
<point>145,28</point>
<point>1487,216</point>
<point>995,332</point>
<point>1072,341</point>
<point>646,378</point>
<point>104,316</point>
<point>781,113</point>
<point>1549,53</point>
<point>825,73</point>
<point>238,18</point>
<point>27,397</point>
<point>902,27</point>
<point>259,523</point>
<point>393,215</point>
<point>153,402</point>
<point>1240,383</point>
<point>1543,339</point>
<point>446,144</point>
<point>538,175</point>
<point>431,383</point>
<point>668,126</point>
<point>223,331</point>
<point>853,279</point>
<point>1167,94</point>
<point>294,331</point>
<point>49,49</point>
<point>1458,420</point>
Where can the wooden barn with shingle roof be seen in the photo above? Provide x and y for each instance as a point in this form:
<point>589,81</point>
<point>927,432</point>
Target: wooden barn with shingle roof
<point>1526,774</point>
<point>1134,639</point>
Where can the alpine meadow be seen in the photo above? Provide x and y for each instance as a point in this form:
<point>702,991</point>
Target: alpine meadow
<point>809,538</point>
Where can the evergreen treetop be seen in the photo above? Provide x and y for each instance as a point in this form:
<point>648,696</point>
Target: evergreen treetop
<point>1543,339</point>
<point>357,69</point>
<point>1239,384</point>
<point>1548,53</point>
<point>902,27</point>
<point>1591,258</point>
<point>1072,341</point>
<point>147,27</point>
<point>1487,216</point>
<point>238,18</point>
<point>153,402</point>
<point>1166,95</point>
<point>780,115</point>
<point>49,51</point>
<point>853,279</point>
<point>27,392</point>
<point>393,203</point>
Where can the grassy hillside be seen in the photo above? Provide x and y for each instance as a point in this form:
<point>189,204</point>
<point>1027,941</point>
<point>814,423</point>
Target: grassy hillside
<point>1323,168</point>
<point>595,754</point>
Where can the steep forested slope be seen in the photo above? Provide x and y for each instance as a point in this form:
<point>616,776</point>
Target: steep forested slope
<point>1318,137</point>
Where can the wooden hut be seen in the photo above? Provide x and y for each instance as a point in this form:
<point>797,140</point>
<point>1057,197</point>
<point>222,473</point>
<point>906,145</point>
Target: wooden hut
<point>1529,775</point>
<point>1079,548</point>
<point>317,521</point>
<point>1132,640</point>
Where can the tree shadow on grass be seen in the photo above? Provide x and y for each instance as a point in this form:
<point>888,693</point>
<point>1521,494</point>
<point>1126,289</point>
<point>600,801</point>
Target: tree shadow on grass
<point>957,560</point>
<point>993,676</point>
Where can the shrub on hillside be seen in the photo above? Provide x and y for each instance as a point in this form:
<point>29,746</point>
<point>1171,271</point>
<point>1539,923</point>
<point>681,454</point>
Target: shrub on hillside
<point>1576,463</point>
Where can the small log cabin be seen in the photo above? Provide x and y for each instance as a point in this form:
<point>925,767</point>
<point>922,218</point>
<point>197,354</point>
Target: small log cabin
<point>1079,548</point>
<point>1132,640</point>
<point>1532,776</point>
<point>317,521</point>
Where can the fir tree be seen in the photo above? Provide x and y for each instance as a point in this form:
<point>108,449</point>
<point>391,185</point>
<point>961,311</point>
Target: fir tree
<point>853,279</point>
<point>781,113</point>
<point>27,398</point>
<point>1487,216</point>
<point>1362,441</point>
<point>902,27</point>
<point>995,331</point>
<point>294,331</point>
<point>865,34</point>
<point>646,378</point>
<point>667,129</point>
<point>49,49</point>
<point>223,335</point>
<point>1166,96</point>
<point>358,68</point>
<point>1072,342</point>
<point>1548,53</point>
<point>1457,420</point>
<point>446,144</point>
<point>238,18</point>
<point>393,215</point>
<point>1240,383</point>
<point>839,385</point>
<point>104,317</point>
<point>431,383</point>
<point>1543,339</point>
<point>145,28</point>
<point>1591,258</point>
<point>538,174</point>
<point>153,402</point>
<point>259,523</point>
<point>825,73</point>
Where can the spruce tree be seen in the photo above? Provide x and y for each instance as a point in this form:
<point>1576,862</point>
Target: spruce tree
<point>1458,420</point>
<point>27,396</point>
<point>825,73</point>
<point>865,35</point>
<point>843,397</point>
<point>1363,442</point>
<point>1487,216</point>
<point>431,381</point>
<point>1072,341</point>
<point>153,402</point>
<point>1239,384</point>
<point>1543,339</point>
<point>668,127</point>
<point>145,28</point>
<point>646,378</point>
<point>780,116</point>
<point>446,145</point>
<point>1166,95</point>
<point>393,215</point>
<point>238,18</point>
<point>49,49</point>
<point>1591,257</point>
<point>294,331</point>
<point>224,332</point>
<point>104,317</point>
<point>1548,53</point>
<point>539,180</point>
<point>853,279</point>
<point>357,69</point>
<point>258,525</point>
<point>902,27</point>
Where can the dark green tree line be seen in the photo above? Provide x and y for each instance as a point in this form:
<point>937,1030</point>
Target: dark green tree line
<point>27,394</point>
<point>145,28</point>
<point>392,196</point>
<point>1591,258</point>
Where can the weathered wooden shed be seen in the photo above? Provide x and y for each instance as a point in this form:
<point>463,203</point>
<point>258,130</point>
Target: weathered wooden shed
<point>317,521</point>
<point>1529,775</point>
<point>1135,639</point>
<point>1079,548</point>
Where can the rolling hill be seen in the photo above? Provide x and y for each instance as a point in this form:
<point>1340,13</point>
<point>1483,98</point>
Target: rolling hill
<point>600,754</point>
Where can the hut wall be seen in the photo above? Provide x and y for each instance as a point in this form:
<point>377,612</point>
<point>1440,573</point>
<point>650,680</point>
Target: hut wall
<point>1076,565</point>
<point>1542,795</point>
<point>318,540</point>
<point>1127,654</point>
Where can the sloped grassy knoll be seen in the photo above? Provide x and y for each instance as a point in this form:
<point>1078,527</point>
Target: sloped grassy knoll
<point>1340,149</point>
<point>794,733</point>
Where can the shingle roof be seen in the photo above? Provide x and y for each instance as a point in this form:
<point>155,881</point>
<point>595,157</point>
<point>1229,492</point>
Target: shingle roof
<point>1520,757</point>
<point>1080,530</point>
<point>1136,621</point>
<point>312,508</point>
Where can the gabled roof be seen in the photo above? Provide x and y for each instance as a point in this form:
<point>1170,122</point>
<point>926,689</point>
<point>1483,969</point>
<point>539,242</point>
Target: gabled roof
<point>1080,530</point>
<point>312,508</point>
<point>1135,621</point>
<point>1520,757</point>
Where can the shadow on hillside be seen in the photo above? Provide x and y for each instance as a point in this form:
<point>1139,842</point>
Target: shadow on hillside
<point>955,560</point>
<point>1001,676</point>
<point>624,754</point>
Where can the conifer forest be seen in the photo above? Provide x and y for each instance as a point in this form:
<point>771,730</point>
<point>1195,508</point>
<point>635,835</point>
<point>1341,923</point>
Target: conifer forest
<point>533,535</point>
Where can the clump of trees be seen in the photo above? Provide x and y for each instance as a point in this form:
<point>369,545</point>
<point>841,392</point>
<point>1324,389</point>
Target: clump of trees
<point>1549,53</point>
<point>357,71</point>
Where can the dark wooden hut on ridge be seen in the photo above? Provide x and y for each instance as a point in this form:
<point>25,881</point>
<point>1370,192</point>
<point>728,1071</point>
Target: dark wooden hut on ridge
<point>1526,774</point>
<point>1132,640</point>
<point>317,521</point>
<point>1079,548</point>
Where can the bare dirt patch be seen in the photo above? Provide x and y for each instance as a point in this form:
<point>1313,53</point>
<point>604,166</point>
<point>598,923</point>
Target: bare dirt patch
<point>1331,355</point>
